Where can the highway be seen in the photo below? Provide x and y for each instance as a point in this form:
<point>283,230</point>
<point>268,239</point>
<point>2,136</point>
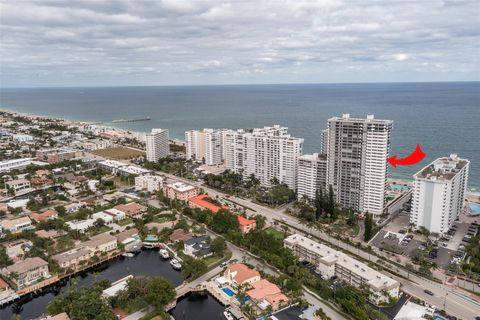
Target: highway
<point>457,302</point>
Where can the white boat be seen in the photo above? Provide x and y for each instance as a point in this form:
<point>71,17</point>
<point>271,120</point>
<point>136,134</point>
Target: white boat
<point>175,264</point>
<point>164,253</point>
<point>128,254</point>
<point>228,315</point>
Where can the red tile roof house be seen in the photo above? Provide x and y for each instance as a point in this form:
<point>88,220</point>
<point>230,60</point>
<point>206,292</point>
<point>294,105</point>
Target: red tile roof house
<point>265,293</point>
<point>240,274</point>
<point>27,271</point>
<point>132,209</point>
<point>246,225</point>
<point>201,202</point>
<point>50,214</point>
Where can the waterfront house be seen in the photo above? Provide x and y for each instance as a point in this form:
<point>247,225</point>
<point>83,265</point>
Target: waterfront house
<point>180,235</point>
<point>16,225</point>
<point>264,294</point>
<point>60,316</point>
<point>50,214</point>
<point>246,225</point>
<point>80,225</point>
<point>239,274</point>
<point>132,209</point>
<point>72,258</point>
<point>103,242</point>
<point>179,191</point>
<point>26,272</point>
<point>197,247</point>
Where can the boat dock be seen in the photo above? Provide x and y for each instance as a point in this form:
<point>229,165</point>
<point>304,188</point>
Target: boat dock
<point>131,120</point>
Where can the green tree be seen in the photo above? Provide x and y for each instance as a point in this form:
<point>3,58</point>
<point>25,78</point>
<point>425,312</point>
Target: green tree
<point>159,292</point>
<point>218,245</point>
<point>83,304</point>
<point>368,227</point>
<point>318,203</point>
<point>224,221</point>
<point>193,268</point>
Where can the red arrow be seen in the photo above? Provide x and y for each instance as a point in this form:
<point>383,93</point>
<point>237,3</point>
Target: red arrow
<point>416,156</point>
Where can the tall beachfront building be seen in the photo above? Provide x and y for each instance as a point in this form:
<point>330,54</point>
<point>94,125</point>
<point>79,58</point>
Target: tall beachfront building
<point>268,153</point>
<point>205,145</point>
<point>312,172</point>
<point>439,193</point>
<point>157,144</point>
<point>357,152</point>
<point>324,141</point>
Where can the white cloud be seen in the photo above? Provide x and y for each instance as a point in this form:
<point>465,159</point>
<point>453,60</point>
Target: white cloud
<point>235,41</point>
<point>400,56</point>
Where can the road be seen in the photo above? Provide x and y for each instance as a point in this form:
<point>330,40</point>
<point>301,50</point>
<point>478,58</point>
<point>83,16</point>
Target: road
<point>458,302</point>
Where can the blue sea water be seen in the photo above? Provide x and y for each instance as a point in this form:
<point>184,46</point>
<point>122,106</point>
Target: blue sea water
<point>443,117</point>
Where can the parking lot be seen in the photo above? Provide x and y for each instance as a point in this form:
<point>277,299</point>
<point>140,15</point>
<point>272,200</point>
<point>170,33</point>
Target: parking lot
<point>451,248</point>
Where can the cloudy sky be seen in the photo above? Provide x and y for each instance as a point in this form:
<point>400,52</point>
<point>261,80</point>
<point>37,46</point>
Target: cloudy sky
<point>167,42</point>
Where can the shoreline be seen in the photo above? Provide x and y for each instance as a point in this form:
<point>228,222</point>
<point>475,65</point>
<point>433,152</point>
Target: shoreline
<point>471,190</point>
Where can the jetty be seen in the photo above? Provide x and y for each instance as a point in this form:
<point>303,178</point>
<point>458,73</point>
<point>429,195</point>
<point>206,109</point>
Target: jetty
<point>131,120</point>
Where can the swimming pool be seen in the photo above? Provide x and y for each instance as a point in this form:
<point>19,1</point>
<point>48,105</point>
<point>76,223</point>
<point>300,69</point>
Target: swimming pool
<point>474,208</point>
<point>228,292</point>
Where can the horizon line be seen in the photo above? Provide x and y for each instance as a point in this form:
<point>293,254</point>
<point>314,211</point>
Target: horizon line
<point>242,84</point>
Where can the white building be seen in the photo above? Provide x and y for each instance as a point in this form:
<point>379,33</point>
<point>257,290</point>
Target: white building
<point>205,145</point>
<point>312,172</point>
<point>180,191</point>
<point>150,183</point>
<point>22,137</point>
<point>157,144</point>
<point>15,164</point>
<point>439,193</point>
<point>80,225</point>
<point>106,218</point>
<point>324,141</point>
<point>357,152</point>
<point>18,185</point>
<point>268,153</point>
<point>16,225</point>
<point>330,262</point>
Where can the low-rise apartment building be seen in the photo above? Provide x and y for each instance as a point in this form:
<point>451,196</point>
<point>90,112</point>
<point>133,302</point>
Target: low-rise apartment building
<point>330,262</point>
<point>80,225</point>
<point>180,191</point>
<point>26,272</point>
<point>149,183</point>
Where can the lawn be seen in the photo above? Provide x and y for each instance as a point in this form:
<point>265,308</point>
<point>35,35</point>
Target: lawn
<point>277,234</point>
<point>125,221</point>
<point>118,153</point>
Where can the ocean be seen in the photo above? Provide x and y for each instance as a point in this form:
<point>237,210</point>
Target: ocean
<point>443,118</point>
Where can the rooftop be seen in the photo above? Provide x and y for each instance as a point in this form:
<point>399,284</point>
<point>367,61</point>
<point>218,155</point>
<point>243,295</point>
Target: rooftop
<point>330,256</point>
<point>241,272</point>
<point>442,169</point>
<point>27,265</point>
<point>202,202</point>
<point>181,187</point>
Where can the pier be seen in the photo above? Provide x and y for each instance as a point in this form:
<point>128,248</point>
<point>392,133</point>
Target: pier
<point>131,120</point>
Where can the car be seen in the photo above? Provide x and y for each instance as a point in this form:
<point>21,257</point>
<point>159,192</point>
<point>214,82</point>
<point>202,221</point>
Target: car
<point>284,220</point>
<point>428,292</point>
<point>223,264</point>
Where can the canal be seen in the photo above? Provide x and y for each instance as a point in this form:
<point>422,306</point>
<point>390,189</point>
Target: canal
<point>146,263</point>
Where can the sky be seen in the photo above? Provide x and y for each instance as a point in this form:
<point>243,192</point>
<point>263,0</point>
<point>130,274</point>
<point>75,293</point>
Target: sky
<point>172,42</point>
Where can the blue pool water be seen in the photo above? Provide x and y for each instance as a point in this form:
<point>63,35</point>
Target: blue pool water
<point>475,208</point>
<point>229,292</point>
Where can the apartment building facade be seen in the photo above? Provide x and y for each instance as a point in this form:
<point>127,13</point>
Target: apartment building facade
<point>357,152</point>
<point>330,262</point>
<point>439,193</point>
<point>312,175</point>
<point>157,144</point>
<point>267,153</point>
<point>205,145</point>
